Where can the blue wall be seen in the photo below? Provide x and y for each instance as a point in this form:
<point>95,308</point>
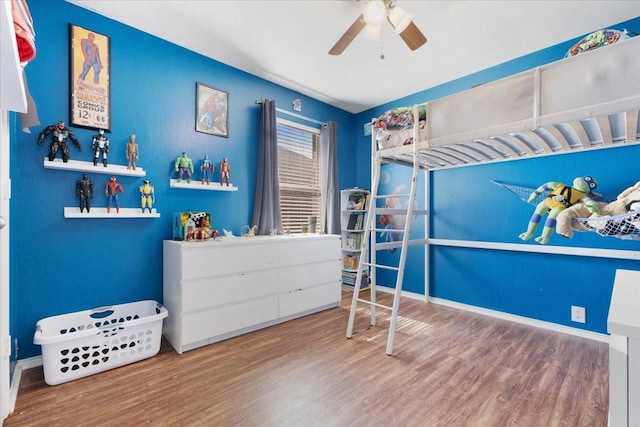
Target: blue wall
<point>63,265</point>
<point>467,206</point>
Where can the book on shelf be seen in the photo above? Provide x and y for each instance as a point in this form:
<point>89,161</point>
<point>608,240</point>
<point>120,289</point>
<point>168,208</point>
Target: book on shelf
<point>350,262</point>
<point>349,279</point>
<point>353,241</point>
<point>356,221</point>
<point>357,201</point>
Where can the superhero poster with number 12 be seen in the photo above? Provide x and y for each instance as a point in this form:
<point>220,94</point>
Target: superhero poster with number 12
<point>90,99</point>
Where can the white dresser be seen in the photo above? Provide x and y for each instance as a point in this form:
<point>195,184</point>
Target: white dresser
<point>216,290</point>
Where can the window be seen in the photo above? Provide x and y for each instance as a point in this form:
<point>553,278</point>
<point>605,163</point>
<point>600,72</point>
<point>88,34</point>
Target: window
<point>299,175</point>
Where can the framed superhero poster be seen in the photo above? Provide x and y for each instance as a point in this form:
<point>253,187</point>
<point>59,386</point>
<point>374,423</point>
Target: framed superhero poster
<point>90,97</point>
<point>212,107</point>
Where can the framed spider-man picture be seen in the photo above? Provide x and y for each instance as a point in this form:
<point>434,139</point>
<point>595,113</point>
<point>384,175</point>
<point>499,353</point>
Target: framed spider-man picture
<point>89,72</point>
<point>212,110</point>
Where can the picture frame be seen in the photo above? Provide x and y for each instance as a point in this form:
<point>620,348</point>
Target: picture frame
<point>89,79</point>
<point>212,110</point>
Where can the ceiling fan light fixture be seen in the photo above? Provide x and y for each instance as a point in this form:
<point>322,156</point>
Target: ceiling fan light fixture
<point>372,32</point>
<point>374,12</point>
<point>400,19</point>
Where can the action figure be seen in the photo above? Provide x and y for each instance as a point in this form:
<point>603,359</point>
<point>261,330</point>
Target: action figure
<point>225,171</point>
<point>58,141</point>
<point>84,190</point>
<point>100,145</point>
<point>111,190</point>
<point>184,166</point>
<point>147,195</point>
<point>207,169</point>
<point>132,152</point>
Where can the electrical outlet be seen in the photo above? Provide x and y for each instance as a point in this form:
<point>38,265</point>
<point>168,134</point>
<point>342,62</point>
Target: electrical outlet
<point>578,314</point>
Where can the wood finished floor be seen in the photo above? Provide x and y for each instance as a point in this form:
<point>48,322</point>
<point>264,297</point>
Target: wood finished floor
<point>450,368</point>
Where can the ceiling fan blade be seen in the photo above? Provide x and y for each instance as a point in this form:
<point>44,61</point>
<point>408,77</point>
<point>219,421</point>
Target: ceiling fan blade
<point>348,36</point>
<point>413,37</point>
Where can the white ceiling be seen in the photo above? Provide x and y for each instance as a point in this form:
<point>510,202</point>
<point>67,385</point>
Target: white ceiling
<point>286,42</point>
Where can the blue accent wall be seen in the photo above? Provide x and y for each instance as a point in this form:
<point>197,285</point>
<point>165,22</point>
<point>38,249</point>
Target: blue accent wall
<point>63,265</point>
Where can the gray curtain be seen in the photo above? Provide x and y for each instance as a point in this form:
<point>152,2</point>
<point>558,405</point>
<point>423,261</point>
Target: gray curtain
<point>266,202</point>
<point>329,173</point>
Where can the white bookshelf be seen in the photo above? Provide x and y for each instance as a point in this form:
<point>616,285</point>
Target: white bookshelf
<point>353,205</point>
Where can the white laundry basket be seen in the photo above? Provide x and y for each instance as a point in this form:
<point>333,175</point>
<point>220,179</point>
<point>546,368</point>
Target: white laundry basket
<point>79,344</point>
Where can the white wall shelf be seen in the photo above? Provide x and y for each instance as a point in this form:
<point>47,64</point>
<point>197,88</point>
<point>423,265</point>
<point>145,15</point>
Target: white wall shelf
<point>72,212</point>
<point>78,165</point>
<point>198,185</point>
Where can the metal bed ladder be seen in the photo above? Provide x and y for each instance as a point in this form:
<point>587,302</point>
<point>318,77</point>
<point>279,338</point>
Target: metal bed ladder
<point>369,244</point>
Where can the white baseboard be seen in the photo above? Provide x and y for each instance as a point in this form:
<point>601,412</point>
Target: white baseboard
<point>505,316</point>
<point>21,365</point>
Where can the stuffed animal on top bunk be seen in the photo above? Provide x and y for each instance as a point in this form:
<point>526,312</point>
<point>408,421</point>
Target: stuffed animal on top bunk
<point>560,198</point>
<point>395,127</point>
<point>613,221</point>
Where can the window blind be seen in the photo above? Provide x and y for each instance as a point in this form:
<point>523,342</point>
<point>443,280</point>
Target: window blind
<point>299,176</point>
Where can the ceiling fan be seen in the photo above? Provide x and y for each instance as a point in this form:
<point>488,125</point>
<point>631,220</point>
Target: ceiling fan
<point>374,13</point>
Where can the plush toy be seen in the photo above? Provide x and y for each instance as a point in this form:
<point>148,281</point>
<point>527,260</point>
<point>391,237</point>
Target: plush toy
<point>560,198</point>
<point>628,224</point>
<point>565,226</point>
<point>623,204</point>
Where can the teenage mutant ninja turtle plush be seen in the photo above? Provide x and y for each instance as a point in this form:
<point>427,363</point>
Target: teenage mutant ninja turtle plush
<point>560,197</point>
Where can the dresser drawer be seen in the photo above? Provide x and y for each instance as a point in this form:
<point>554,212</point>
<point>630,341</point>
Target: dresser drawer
<point>220,259</point>
<point>223,290</point>
<point>298,301</point>
<point>305,251</point>
<point>307,275</point>
<point>225,320</point>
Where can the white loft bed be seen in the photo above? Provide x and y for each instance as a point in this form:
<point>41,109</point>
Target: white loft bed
<point>578,103</point>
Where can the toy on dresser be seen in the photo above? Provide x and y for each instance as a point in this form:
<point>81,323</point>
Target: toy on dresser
<point>192,226</point>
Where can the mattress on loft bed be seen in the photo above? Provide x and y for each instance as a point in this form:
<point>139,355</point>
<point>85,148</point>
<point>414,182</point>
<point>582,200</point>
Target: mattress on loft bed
<point>581,102</point>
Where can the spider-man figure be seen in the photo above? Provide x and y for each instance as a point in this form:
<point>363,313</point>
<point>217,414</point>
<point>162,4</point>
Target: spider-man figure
<point>111,190</point>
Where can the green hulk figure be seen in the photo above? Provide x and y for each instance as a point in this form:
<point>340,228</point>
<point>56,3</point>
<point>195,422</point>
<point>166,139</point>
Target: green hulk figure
<point>184,167</point>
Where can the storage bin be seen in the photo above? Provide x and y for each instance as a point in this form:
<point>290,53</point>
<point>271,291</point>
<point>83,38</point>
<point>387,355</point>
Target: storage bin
<point>79,344</point>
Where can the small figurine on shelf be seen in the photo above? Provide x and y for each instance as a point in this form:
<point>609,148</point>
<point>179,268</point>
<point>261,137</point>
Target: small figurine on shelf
<point>84,191</point>
<point>207,170</point>
<point>184,167</point>
<point>147,195</point>
<point>248,231</point>
<point>225,171</point>
<point>111,190</point>
<point>132,152</point>
<point>100,145</point>
<point>60,133</point>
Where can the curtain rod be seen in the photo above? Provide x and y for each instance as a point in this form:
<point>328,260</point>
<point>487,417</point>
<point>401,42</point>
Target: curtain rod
<point>299,116</point>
